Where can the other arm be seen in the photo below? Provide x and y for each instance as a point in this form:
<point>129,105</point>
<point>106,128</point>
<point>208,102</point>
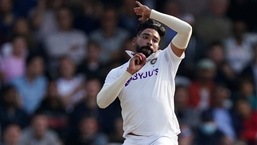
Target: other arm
<point>111,90</point>
<point>183,29</point>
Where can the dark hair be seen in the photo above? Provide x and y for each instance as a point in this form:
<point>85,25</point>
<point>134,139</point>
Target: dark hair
<point>150,23</point>
<point>31,57</point>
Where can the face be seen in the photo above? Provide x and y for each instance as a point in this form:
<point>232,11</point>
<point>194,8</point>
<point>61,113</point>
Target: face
<point>52,89</point>
<point>21,26</point>
<point>40,125</point>
<point>64,19</point>
<point>239,29</point>
<point>88,126</point>
<point>181,97</point>
<point>5,6</point>
<point>147,42</point>
<point>247,88</point>
<point>12,134</point>
<point>11,98</point>
<point>93,52</point>
<point>93,87</point>
<point>220,94</point>
<point>67,68</point>
<point>217,54</point>
<point>173,8</point>
<point>243,108</point>
<point>109,20</point>
<point>19,46</point>
<point>36,67</point>
<point>219,7</point>
<point>206,74</point>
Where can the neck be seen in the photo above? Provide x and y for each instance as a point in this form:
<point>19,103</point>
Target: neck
<point>65,29</point>
<point>204,83</point>
<point>239,40</point>
<point>92,61</point>
<point>30,78</point>
<point>91,103</point>
<point>108,33</point>
<point>68,77</point>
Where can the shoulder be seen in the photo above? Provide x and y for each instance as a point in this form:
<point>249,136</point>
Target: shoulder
<point>42,80</point>
<point>119,69</point>
<point>115,73</point>
<point>96,34</point>
<point>51,134</point>
<point>170,55</point>
<point>26,134</point>
<point>122,31</point>
<point>18,81</point>
<point>100,137</point>
<point>78,33</point>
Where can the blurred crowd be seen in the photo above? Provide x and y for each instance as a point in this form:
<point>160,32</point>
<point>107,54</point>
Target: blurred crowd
<point>55,54</point>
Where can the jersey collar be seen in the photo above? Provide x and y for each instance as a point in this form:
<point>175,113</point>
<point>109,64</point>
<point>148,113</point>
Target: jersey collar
<point>152,56</point>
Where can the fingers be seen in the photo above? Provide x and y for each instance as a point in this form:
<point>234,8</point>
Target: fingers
<point>141,10</point>
<point>141,19</point>
<point>138,13</point>
<point>140,58</point>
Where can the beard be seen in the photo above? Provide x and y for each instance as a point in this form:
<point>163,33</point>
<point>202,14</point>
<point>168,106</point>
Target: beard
<point>146,50</point>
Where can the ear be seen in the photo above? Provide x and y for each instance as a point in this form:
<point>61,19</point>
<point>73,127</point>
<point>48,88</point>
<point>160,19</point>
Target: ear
<point>134,41</point>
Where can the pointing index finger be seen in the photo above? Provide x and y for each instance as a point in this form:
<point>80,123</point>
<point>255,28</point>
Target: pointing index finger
<point>138,3</point>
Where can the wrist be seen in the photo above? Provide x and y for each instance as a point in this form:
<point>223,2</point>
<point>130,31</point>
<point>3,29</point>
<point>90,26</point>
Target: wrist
<point>152,14</point>
<point>148,13</point>
<point>130,71</point>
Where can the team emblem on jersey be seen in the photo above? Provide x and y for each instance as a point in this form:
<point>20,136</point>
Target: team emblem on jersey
<point>153,61</point>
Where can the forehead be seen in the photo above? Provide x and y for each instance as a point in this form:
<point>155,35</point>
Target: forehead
<point>150,32</point>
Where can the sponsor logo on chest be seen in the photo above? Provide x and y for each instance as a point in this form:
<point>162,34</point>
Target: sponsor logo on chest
<point>143,75</point>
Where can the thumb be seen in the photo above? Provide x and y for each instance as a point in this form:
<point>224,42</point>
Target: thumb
<point>141,19</point>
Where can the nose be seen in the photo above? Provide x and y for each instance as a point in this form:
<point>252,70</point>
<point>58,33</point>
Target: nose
<point>150,43</point>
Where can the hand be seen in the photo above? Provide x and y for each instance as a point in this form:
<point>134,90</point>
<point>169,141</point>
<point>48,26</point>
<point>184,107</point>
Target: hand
<point>143,11</point>
<point>136,63</point>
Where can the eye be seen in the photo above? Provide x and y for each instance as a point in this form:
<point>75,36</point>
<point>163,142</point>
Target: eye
<point>145,37</point>
<point>155,40</point>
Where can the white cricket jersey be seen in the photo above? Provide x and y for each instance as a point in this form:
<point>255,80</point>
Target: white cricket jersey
<point>147,99</point>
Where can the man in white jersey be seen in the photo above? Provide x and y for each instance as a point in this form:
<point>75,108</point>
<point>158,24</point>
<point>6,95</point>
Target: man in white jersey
<point>145,84</point>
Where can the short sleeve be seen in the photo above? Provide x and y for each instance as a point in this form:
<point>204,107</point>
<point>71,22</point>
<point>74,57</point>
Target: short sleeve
<point>172,59</point>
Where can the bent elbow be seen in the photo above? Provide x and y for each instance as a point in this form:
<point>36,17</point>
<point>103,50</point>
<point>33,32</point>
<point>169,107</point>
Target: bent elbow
<point>188,29</point>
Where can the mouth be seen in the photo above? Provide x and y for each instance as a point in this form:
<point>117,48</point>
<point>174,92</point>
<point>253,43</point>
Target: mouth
<point>146,50</point>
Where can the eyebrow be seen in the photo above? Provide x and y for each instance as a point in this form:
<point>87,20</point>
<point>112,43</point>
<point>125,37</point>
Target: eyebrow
<point>147,34</point>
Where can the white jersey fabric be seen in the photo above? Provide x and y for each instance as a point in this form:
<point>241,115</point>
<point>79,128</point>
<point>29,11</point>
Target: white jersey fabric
<point>147,99</point>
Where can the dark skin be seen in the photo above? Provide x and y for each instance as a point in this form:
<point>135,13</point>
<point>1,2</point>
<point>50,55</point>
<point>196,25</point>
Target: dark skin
<point>148,37</point>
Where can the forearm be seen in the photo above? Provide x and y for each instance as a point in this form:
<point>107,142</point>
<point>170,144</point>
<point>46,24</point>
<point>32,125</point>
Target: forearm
<point>183,29</point>
<point>110,92</point>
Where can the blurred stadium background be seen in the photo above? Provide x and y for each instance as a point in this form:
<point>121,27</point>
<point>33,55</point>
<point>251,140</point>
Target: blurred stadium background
<point>55,54</point>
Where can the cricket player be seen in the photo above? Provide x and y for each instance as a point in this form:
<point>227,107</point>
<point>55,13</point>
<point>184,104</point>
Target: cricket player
<point>145,85</point>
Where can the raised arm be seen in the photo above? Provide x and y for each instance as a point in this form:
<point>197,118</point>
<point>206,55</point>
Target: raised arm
<point>183,29</point>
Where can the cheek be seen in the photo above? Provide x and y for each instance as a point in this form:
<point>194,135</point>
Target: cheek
<point>156,47</point>
<point>141,42</point>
